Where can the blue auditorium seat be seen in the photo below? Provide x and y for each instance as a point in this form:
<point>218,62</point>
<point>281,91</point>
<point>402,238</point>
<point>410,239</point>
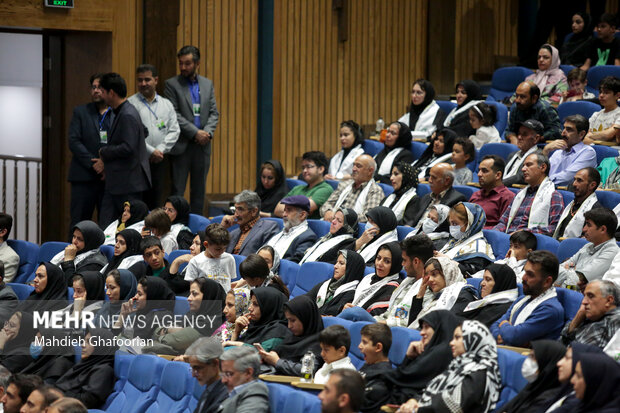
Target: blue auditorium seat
<point>333,183</point>
<point>372,147</point>
<point>598,73</point>
<point>288,273</point>
<point>360,229</point>
<point>567,196</point>
<point>510,363</point>
<point>368,271</point>
<point>446,105</point>
<point>505,81</point>
<point>108,251</point>
<point>567,68</point>
<point>309,275</point>
<point>402,232</point>
<point>28,253</point>
<point>195,392</point>
<point>502,117</point>
<point>197,223</point>
<point>569,247</point>
<point>418,148</point>
<point>609,199</point>
<point>500,149</point>
<point>292,183</point>
<point>181,305</point>
<point>401,337</point>
<point>357,358</point>
<point>500,242</point>
<point>277,221</point>
<point>277,396</point>
<point>570,300</point>
<point>387,189</point>
<point>603,152</point>
<point>422,190</point>
<point>172,395</point>
<point>581,107</point>
<point>474,282</point>
<point>238,260</point>
<point>330,321</point>
<point>319,226</point>
<point>176,254</point>
<point>47,251</point>
<point>468,191</point>
<point>122,361</point>
<point>22,291</point>
<point>545,242</point>
<point>301,401</point>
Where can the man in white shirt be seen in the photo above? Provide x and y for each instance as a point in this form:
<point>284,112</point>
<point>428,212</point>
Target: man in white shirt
<point>292,242</point>
<point>530,133</point>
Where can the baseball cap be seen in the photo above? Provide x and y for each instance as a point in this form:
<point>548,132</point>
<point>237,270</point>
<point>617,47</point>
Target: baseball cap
<point>534,125</point>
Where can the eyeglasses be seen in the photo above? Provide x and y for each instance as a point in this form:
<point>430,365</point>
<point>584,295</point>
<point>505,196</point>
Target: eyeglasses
<point>227,374</point>
<point>304,167</point>
<point>196,369</point>
<point>10,324</point>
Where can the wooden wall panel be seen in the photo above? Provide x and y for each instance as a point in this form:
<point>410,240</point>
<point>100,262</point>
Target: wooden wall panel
<point>226,32</point>
<point>319,81</point>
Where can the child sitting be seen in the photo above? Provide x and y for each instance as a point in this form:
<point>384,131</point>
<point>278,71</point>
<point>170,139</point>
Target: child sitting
<point>158,223</point>
<point>521,243</point>
<point>155,265</point>
<point>482,118</point>
<point>375,346</point>
<point>335,342</point>
<point>602,122</point>
<point>214,263</point>
<point>577,83</point>
<point>463,152</point>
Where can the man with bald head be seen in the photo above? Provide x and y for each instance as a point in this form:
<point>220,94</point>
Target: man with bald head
<point>440,180</point>
<point>360,193</point>
<point>528,105</point>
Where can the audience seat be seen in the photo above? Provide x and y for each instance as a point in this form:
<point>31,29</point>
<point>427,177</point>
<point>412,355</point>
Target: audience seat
<point>609,199</point>
<point>446,105</point>
<point>505,81</point>
<point>500,149</point>
<point>357,358</point>
<point>474,282</point>
<point>474,163</point>
<point>515,190</point>
<point>292,183</point>
<point>581,107</point>
<point>372,147</point>
<point>172,396</point>
<point>333,183</point>
<point>402,231</point>
<point>301,401</point>
<point>122,361</point>
<point>277,221</point>
<point>196,391</point>
<point>217,219</point>
<point>500,242</point>
<point>422,190</point>
<point>567,68</point>
<point>330,321</point>
<point>319,226</point>
<point>277,396</point>
<point>176,254</point>
<point>597,73</point>
<point>22,291</point>
<point>502,117</point>
<point>468,191</point>
<point>197,223</point>
<point>570,300</point>
<point>28,253</point>
<point>401,337</point>
<point>108,251</point>
<point>288,273</point>
<point>387,189</point>
<point>309,275</point>
<point>510,363</point>
<point>545,242</point>
<point>361,227</point>
<point>567,196</point>
<point>238,260</point>
<point>70,295</point>
<point>49,249</point>
<point>181,305</point>
<point>569,247</point>
<point>369,271</point>
<point>417,149</point>
<point>603,152</point>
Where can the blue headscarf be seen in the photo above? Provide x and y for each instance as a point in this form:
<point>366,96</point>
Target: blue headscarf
<point>476,218</point>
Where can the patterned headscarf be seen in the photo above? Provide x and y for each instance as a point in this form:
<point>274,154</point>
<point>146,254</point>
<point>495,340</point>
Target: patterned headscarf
<point>476,219</point>
<point>410,178</point>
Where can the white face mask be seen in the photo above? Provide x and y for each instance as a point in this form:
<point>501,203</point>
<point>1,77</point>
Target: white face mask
<point>529,369</point>
<point>456,233</point>
<point>429,226</point>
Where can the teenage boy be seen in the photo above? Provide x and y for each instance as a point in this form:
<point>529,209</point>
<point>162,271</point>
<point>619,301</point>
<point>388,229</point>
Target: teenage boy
<point>375,346</point>
<point>156,265</point>
<point>604,50</point>
<point>335,342</point>
<point>521,243</point>
<point>602,122</point>
<point>215,263</point>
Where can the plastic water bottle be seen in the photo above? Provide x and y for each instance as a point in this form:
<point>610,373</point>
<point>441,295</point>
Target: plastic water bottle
<point>307,367</point>
<point>379,126</point>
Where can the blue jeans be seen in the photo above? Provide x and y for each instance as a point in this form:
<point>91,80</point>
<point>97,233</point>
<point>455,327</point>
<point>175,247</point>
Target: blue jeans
<point>356,314</point>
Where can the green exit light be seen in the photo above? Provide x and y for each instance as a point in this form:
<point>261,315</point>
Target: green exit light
<point>64,4</point>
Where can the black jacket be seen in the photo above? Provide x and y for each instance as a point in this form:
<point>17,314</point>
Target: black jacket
<point>418,205</point>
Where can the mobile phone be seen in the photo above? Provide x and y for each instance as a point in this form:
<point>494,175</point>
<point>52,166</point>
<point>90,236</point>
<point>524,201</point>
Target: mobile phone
<point>258,347</point>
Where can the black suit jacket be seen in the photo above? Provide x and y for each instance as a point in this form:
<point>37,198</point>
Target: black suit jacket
<point>420,204</point>
<point>260,233</point>
<point>211,400</point>
<point>84,141</point>
<point>125,157</point>
<point>518,177</point>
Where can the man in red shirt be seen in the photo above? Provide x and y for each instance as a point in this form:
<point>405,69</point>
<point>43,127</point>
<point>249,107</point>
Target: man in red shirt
<point>494,197</point>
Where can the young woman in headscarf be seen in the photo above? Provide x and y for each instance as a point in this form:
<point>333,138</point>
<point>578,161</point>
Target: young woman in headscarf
<point>50,290</point>
<point>83,253</point>
<point>596,382</point>
<point>549,78</point>
<point>341,232</point>
<point>49,362</point>
<point>88,295</point>
<point>15,339</point>
<point>132,217</point>
<point>424,115</point>
<point>351,139</point>
<point>439,150</point>
<point>445,280</point>
<point>305,323</point>
<point>271,257</point>
<point>177,209</point>
<point>92,380</point>
<point>195,248</point>
<point>265,322</point>
<point>498,290</point>
<point>404,180</point>
<point>541,371</point>
<point>121,285</point>
<point>472,381</point>
<point>467,95</point>
<point>270,186</point>
<point>380,228</point>
<point>467,244</point>
<point>575,50</point>
<point>374,291</point>
<point>126,251</point>
<point>397,144</point>
<point>237,303</point>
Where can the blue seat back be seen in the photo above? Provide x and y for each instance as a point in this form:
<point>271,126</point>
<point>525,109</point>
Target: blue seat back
<point>402,232</point>
<point>173,395</point>
<point>319,226</point>
<point>505,81</point>
<point>502,117</point>
<point>570,300</point>
<point>401,337</point>
<point>582,107</point>
<point>181,305</point>
<point>608,199</point>
<point>108,251</point>
<point>468,191</point>
<point>70,294</point>
<point>332,183</point>
<point>544,242</point>
<point>277,221</point>
<point>49,249</point>
<point>122,361</point>
<point>510,363</point>
<point>603,152</point>
<point>309,275</point>
<point>372,147</point>
<point>288,273</point>
<point>368,271</point>
<point>176,254</point>
<point>418,148</point>
<point>22,291</point>
<point>360,229</point>
<point>195,391</point>
<point>217,219</point>
<point>474,163</point>
<point>292,183</point>
<point>446,105</point>
<point>567,68</point>
<point>301,401</point>
<point>28,253</point>
<point>422,190</point>
<point>330,321</point>
<point>500,149</point>
<point>569,247</point>
<point>197,223</point>
<point>357,358</point>
<point>474,282</point>
<point>238,260</point>
<point>277,396</point>
<point>387,189</point>
<point>567,196</point>
<point>597,73</point>
<point>500,242</point>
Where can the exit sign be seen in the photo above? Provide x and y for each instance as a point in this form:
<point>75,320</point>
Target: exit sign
<point>65,4</point>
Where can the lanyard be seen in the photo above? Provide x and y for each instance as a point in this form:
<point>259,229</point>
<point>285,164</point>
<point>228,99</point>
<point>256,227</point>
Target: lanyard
<point>102,119</point>
<point>148,106</point>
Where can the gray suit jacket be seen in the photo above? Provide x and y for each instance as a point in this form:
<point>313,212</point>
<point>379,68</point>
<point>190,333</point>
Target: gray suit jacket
<point>177,90</point>
<point>254,398</point>
<point>260,233</point>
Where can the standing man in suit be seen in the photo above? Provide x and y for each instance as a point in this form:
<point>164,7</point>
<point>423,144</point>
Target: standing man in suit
<point>240,367</point>
<point>88,132</point>
<point>193,99</point>
<point>124,161</point>
<point>253,232</point>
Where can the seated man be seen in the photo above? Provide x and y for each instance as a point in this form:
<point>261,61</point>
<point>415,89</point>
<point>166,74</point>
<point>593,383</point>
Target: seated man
<point>602,122</point>
<point>538,206</point>
<point>572,219</point>
<point>440,181</point>
<point>593,260</point>
<point>343,392</point>
<point>530,133</point>
<point>538,314</point>
<point>17,391</point>
<point>240,368</point>
<point>314,166</point>
<point>528,105</point>
<point>598,318</point>
<point>493,196</point>
<point>361,193</point>
<point>8,298</point>
<point>292,242</point>
<point>7,255</point>
<point>40,398</point>
<point>570,154</point>
<point>253,232</point>
<point>203,357</point>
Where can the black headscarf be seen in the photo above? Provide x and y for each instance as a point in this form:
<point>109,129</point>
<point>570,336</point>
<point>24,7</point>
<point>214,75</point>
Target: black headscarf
<point>602,376</point>
<point>586,33</point>
<point>128,288</point>
<point>269,198</point>
<point>53,297</point>
<point>449,136</point>
<point>504,277</point>
<point>472,89</point>
<point>294,347</point>
<point>213,303</point>
<point>547,354</point>
<point>397,256</point>
<point>416,110</point>
<point>182,206</point>
<point>138,211</point>
<point>54,361</point>
<point>404,137</point>
<point>132,240</point>
<point>94,285</point>
<point>16,353</point>
<point>410,178</point>
<point>93,235</point>
<point>384,218</point>
<point>157,290</point>
<point>272,323</point>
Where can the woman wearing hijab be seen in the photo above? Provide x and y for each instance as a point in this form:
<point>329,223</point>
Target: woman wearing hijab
<point>404,180</point>
<point>195,248</point>
<point>264,321</point>
<point>541,371</point>
<point>467,244</point>
<point>88,295</point>
<point>575,50</point>
<point>49,362</point>
<point>121,285</point>
<point>305,323</point>
<point>424,116</point>
<point>380,228</point>
<point>237,303</point>
<point>50,290</point>
<point>435,225</point>
<point>549,78</point>
<point>92,380</point>
<point>177,209</point>
<point>472,381</point>
<point>132,217</point>
<point>439,150</point>
<point>271,257</point>
<point>341,232</point>
<point>498,290</point>
<point>126,251</point>
<point>270,186</point>
<point>467,95</point>
<point>448,286</point>
<point>83,253</point>
<point>351,139</point>
<point>15,339</point>
<point>596,382</point>
<point>397,144</point>
<point>332,295</point>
